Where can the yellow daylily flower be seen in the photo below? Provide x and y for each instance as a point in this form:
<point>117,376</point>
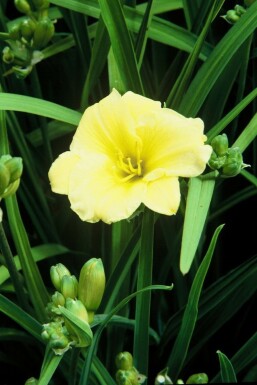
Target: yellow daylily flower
<point>129,150</point>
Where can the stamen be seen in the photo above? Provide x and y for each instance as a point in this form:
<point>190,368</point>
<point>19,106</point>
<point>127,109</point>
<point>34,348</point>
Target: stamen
<point>127,166</point>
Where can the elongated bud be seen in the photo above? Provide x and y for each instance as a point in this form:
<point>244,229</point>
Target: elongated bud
<point>14,166</point>
<point>10,173</point>
<point>199,378</point>
<point>76,307</point>
<point>44,32</point>
<point>4,178</point>
<point>58,299</point>
<point>75,317</point>
<point>69,286</point>
<point>124,361</point>
<point>91,284</point>
<point>22,6</point>
<point>57,272</point>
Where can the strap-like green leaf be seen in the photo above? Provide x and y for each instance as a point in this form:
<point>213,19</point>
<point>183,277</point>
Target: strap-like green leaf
<point>180,347</point>
<point>248,135</point>
<point>122,46</point>
<point>41,107</point>
<point>217,61</point>
<point>226,369</point>
<point>198,202</point>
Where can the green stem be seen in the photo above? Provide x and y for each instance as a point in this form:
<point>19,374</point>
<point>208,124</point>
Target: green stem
<point>14,274</point>
<point>143,301</point>
<point>50,364</point>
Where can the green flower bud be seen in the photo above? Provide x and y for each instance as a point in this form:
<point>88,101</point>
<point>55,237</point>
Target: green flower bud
<point>22,6</point>
<point>15,167</point>
<point>8,55</point>
<point>44,32</point>
<point>75,318</point>
<point>58,299</point>
<point>76,307</point>
<point>220,144</point>
<point>10,173</point>
<point>126,377</point>
<point>27,29</point>
<point>91,285</point>
<point>234,163</point>
<point>59,343</point>
<point>239,10</point>
<point>124,361</point>
<point>31,381</point>
<point>4,178</point>
<point>57,337</point>
<point>199,378</point>
<point>163,378</point>
<point>12,188</point>
<point>231,16</point>
<point>216,162</point>
<point>57,272</point>
<point>69,286</point>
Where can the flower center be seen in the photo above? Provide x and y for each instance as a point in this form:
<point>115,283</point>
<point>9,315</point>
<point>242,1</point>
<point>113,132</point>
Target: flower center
<point>131,167</point>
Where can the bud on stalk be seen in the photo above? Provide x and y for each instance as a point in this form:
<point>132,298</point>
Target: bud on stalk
<point>91,285</point>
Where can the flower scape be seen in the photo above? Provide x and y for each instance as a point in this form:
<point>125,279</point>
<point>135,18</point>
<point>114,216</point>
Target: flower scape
<point>128,150</point>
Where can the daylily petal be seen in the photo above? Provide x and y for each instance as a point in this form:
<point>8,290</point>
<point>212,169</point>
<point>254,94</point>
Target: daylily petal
<point>177,146</point>
<point>59,173</point>
<point>96,193</point>
<point>106,127</point>
<point>139,105</point>
<point>163,196</point>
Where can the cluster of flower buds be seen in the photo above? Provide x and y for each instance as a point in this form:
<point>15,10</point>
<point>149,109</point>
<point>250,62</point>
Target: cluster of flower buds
<point>27,37</point>
<point>10,174</point>
<point>233,15</point>
<point>72,307</point>
<point>228,161</point>
<point>126,373</point>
